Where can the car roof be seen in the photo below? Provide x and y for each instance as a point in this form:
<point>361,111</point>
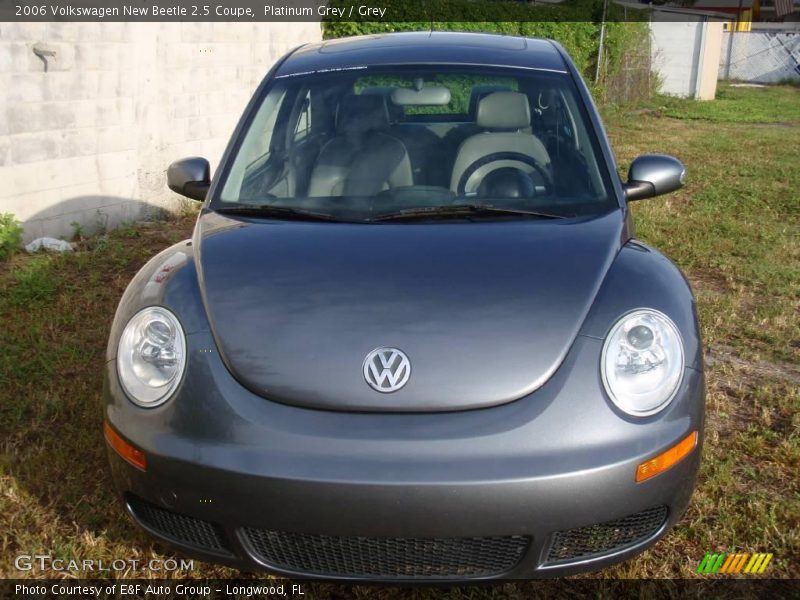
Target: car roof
<point>430,47</point>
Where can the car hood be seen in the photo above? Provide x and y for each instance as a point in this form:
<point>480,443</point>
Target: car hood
<point>485,312</point>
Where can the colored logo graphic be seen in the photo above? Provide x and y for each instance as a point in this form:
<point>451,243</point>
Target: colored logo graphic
<point>734,563</point>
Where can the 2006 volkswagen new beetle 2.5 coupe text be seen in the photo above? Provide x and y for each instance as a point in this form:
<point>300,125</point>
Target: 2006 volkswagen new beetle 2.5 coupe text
<point>413,335</point>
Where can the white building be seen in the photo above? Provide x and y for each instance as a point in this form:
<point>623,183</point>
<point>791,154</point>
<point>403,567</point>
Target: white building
<point>685,48</point>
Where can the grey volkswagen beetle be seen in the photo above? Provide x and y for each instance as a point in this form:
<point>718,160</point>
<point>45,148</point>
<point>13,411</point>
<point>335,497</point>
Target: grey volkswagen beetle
<point>413,335</point>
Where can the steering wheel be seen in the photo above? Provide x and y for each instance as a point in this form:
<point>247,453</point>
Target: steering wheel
<point>517,157</point>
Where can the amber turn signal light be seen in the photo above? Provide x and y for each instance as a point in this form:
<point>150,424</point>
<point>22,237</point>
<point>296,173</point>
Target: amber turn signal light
<point>665,460</point>
<point>130,453</point>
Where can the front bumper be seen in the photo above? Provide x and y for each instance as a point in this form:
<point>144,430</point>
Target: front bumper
<point>560,459</point>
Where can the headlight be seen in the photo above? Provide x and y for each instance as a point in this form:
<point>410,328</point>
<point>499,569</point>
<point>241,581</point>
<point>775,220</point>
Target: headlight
<point>642,362</point>
<point>151,356</point>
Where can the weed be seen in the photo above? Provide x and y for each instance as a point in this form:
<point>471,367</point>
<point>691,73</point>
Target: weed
<point>77,231</point>
<point>35,280</point>
<point>10,235</point>
<point>188,208</point>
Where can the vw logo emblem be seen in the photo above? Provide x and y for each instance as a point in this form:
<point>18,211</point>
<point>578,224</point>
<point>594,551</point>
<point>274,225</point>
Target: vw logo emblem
<point>387,369</point>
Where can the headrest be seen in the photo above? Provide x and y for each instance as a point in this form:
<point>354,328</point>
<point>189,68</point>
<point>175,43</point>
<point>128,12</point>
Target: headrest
<point>504,110</point>
<point>479,92</point>
<point>361,113</point>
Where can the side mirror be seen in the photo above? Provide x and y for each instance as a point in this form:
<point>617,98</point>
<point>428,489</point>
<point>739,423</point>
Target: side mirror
<point>190,177</point>
<point>652,175</point>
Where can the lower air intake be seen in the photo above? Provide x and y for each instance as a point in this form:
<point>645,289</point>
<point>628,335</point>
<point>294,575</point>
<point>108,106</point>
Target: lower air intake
<point>387,557</point>
<point>179,528</point>
<point>603,538</point>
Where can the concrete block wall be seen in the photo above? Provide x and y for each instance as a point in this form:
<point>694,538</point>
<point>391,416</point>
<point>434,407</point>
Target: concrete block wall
<point>686,55</point>
<point>89,140</point>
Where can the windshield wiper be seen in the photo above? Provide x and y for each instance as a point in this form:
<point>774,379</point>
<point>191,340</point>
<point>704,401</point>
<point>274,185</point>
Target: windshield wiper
<point>461,210</point>
<point>269,210</point>
<point>457,210</point>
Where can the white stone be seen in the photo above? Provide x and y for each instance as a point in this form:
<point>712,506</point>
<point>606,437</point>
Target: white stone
<point>49,244</point>
<point>33,147</point>
<point>26,87</point>
<point>5,150</point>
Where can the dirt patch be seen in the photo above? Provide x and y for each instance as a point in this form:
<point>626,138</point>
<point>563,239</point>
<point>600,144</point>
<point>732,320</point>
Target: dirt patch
<point>648,112</point>
<point>789,125</point>
<point>707,280</point>
<point>753,372</point>
<point>744,394</point>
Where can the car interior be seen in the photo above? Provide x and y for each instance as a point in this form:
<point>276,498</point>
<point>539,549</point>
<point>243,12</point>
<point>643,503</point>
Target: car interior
<point>418,139</point>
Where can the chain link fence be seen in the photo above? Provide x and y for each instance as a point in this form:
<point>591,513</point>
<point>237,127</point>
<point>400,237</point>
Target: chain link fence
<point>761,56</point>
<point>631,80</point>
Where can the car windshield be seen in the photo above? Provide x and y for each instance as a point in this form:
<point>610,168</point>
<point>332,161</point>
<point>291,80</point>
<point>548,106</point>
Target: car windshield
<point>386,144</point>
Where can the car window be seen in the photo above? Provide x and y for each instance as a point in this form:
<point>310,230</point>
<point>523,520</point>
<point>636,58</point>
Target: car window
<point>359,144</point>
<point>303,127</point>
<point>462,89</point>
<point>254,151</point>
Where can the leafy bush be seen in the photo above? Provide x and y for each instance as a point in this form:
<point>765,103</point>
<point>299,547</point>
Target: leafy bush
<point>10,235</point>
<point>575,26</point>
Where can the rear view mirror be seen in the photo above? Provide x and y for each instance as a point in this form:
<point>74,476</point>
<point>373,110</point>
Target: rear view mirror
<point>427,96</point>
<point>190,177</point>
<point>652,175</point>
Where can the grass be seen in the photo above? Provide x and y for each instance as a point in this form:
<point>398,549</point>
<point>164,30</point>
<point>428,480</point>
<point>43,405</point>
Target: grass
<point>777,104</point>
<point>734,231</point>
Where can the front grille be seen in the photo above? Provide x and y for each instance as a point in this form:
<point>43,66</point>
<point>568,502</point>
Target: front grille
<point>179,528</point>
<point>387,557</point>
<point>606,537</point>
